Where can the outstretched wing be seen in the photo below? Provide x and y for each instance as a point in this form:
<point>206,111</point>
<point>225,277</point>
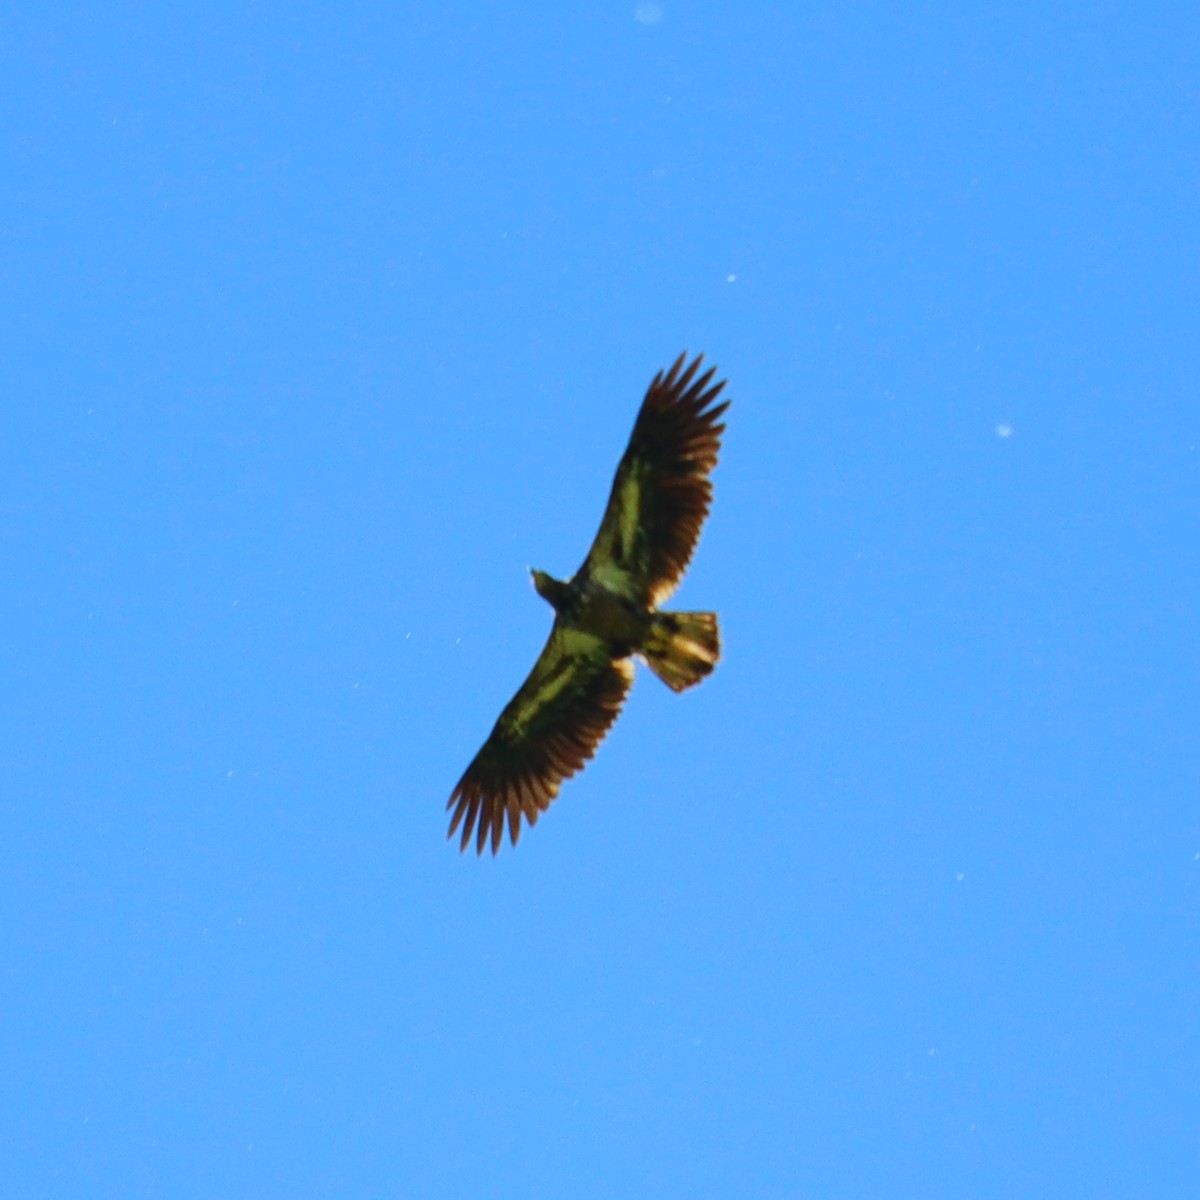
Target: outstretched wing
<point>548,730</point>
<point>661,492</point>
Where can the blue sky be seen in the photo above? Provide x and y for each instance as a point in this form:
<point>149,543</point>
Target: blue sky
<point>322,323</point>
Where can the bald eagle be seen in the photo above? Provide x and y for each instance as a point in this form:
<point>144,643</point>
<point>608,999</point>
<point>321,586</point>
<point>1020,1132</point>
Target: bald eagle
<point>607,613</point>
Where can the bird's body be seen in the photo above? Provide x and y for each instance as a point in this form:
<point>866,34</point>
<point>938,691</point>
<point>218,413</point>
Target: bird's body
<point>607,613</point>
<point>590,605</point>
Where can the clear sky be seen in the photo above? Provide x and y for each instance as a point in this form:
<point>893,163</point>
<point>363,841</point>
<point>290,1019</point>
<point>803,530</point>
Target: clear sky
<point>321,323</point>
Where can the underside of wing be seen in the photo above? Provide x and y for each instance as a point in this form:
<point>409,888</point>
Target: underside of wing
<point>547,732</point>
<point>662,491</point>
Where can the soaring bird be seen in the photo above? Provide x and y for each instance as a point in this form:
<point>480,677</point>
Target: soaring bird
<point>607,613</point>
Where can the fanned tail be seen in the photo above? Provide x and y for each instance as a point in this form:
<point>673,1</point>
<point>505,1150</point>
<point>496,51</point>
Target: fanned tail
<point>683,647</point>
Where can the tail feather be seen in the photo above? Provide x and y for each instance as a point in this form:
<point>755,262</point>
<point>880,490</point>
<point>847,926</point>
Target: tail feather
<point>683,647</point>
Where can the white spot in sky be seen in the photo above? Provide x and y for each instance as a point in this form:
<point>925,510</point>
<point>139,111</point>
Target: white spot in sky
<point>1004,430</point>
<point>648,14</point>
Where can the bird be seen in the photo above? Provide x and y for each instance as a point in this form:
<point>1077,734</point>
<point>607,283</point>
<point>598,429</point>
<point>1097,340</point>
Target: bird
<point>607,614</point>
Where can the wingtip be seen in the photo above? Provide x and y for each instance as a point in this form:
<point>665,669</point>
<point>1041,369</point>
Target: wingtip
<point>680,378</point>
<point>670,376</point>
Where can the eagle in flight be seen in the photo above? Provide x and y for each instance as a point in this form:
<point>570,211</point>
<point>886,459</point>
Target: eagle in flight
<point>608,612</point>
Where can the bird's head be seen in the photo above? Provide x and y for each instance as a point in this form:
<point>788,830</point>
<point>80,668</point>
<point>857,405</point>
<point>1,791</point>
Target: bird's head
<point>550,589</point>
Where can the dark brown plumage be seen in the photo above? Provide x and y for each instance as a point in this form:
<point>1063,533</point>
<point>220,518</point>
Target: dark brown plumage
<point>607,613</point>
